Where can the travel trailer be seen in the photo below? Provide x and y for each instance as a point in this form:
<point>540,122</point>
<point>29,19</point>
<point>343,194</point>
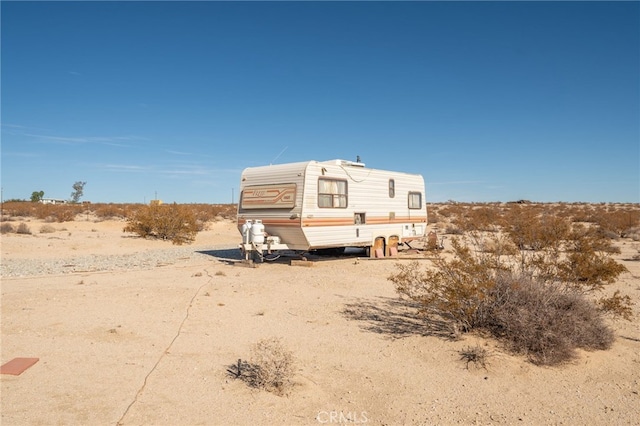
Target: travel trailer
<point>325,207</point>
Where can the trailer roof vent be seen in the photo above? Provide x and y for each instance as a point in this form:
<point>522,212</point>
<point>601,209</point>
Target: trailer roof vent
<point>346,163</point>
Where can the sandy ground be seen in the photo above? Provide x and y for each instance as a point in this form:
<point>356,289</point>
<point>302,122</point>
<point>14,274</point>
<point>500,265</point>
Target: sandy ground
<point>153,347</point>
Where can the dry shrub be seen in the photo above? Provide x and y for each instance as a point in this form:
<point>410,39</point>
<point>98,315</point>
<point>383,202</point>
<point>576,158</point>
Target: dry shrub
<point>432,218</point>
<point>545,322</point>
<point>211,212</point>
<point>498,245</point>
<point>67,212</point>
<point>476,355</point>
<point>453,230</point>
<point>483,218</point>
<point>57,212</point>
<point>617,305</point>
<point>619,222</point>
<point>19,208</point>
<point>109,211</point>
<point>455,290</point>
<point>23,228</point>
<point>7,228</point>
<point>532,231</point>
<point>587,263</point>
<point>543,311</point>
<point>271,367</point>
<point>164,221</point>
<point>47,229</point>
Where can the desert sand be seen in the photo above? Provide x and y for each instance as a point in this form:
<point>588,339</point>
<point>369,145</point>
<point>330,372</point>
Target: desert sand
<point>153,345</point>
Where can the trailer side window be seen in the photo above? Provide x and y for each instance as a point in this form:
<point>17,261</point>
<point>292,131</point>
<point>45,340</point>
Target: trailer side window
<point>392,188</point>
<point>332,193</point>
<point>415,200</point>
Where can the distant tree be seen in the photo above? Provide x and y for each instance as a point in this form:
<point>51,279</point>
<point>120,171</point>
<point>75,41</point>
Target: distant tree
<point>78,191</point>
<point>36,196</point>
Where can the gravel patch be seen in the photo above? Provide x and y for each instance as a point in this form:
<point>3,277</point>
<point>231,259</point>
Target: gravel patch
<point>98,263</point>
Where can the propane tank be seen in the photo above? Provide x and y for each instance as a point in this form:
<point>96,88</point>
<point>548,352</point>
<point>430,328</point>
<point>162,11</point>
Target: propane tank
<point>257,232</point>
<point>246,228</point>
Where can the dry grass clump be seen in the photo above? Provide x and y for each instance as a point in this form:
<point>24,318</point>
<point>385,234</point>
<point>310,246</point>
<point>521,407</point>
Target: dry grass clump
<point>476,355</point>
<point>271,367</point>
<point>23,228</point>
<point>7,228</point>
<point>47,229</point>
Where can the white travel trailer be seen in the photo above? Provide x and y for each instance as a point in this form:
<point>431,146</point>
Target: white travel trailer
<point>327,206</point>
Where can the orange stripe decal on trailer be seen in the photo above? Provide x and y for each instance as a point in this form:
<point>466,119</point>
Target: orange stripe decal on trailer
<point>339,221</point>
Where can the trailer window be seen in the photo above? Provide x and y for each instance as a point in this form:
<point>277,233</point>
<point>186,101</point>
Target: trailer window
<point>392,188</point>
<point>415,200</point>
<point>332,193</point>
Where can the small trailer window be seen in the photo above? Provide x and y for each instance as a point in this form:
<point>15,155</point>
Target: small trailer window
<point>392,188</point>
<point>415,200</point>
<point>332,193</point>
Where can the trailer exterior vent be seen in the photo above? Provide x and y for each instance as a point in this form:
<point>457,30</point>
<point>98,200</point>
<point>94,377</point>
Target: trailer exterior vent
<point>347,163</point>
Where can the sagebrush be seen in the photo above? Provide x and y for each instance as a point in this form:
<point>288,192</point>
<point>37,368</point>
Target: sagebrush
<point>526,279</point>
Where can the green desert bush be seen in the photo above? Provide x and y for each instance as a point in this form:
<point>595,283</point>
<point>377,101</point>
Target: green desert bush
<point>174,222</point>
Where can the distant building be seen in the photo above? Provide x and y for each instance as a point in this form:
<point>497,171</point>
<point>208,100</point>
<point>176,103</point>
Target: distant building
<point>52,201</point>
<point>155,202</point>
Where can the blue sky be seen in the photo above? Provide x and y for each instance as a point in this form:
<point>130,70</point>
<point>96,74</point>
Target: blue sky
<point>489,101</point>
